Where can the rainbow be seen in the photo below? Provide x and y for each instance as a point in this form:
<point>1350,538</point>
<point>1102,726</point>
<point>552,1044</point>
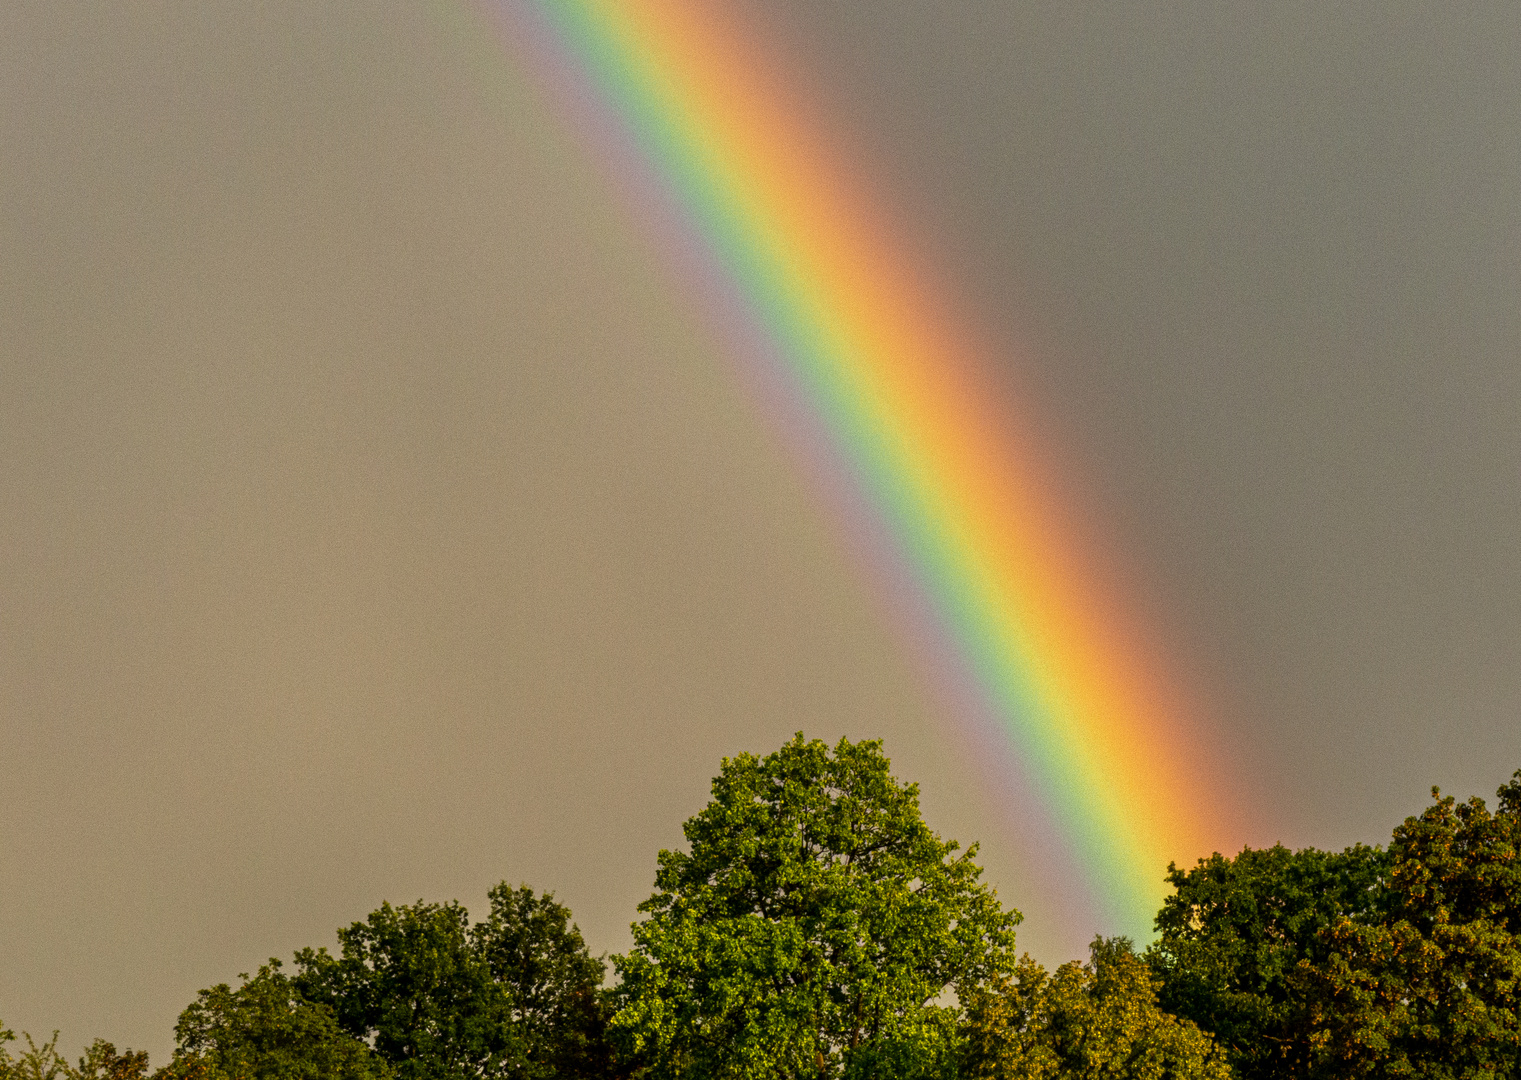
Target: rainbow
<point>883,387</point>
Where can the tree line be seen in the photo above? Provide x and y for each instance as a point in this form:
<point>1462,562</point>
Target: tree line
<point>817,928</point>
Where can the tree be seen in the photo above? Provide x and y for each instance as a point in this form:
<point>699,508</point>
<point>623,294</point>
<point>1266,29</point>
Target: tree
<point>1098,1021</point>
<point>811,931</point>
<point>515,996</point>
<point>38,1063</point>
<point>409,979</point>
<point>1234,933</point>
<point>100,1061</point>
<point>1433,990</point>
<point>265,1030</point>
<point>552,983</point>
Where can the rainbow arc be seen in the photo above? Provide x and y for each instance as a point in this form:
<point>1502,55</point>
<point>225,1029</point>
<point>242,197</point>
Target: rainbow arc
<point>860,347</point>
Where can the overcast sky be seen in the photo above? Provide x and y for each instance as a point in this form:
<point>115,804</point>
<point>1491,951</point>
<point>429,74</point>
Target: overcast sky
<point>376,523</point>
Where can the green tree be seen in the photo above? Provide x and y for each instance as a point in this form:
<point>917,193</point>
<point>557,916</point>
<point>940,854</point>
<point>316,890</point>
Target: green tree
<point>100,1061</point>
<point>409,979</point>
<point>1433,990</point>
<point>516,996</point>
<point>38,1063</point>
<point>1234,934</point>
<point>812,931</point>
<point>552,984</point>
<point>1099,1021</point>
<point>265,1030</point>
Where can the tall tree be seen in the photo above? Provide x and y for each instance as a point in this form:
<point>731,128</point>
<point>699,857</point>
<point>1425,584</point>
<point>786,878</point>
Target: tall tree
<point>409,979</point>
<point>516,996</point>
<point>265,1030</point>
<point>1433,990</point>
<point>1232,937</point>
<point>1099,1021</point>
<point>552,983</point>
<point>812,929</point>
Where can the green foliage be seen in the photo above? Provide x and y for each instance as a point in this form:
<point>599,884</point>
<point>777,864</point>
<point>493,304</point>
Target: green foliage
<point>1234,933</point>
<point>409,979</point>
<point>265,1030</point>
<point>536,954</point>
<point>817,929</point>
<point>1099,1021</point>
<point>100,1061</point>
<point>1398,963</point>
<point>38,1063</point>
<point>810,930</point>
<point>1434,989</point>
<point>515,996</point>
<point>926,1048</point>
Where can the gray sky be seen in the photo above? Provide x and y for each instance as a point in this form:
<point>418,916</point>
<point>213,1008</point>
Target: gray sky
<point>375,524</point>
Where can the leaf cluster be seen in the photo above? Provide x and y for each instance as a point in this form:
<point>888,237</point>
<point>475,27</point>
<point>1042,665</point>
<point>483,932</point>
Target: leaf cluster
<point>515,996</point>
<point>1234,933</point>
<point>99,1062</point>
<point>1094,1021</point>
<point>1398,963</point>
<point>266,1030</point>
<point>1433,990</point>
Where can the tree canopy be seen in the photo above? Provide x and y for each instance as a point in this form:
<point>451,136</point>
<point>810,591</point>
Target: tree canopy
<point>1232,937</point>
<point>408,979</point>
<point>266,1030</point>
<point>1094,1021</point>
<point>1433,989</point>
<point>1397,963</point>
<point>816,928</point>
<point>811,930</point>
<point>552,984</point>
<point>99,1062</point>
<point>515,996</point>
